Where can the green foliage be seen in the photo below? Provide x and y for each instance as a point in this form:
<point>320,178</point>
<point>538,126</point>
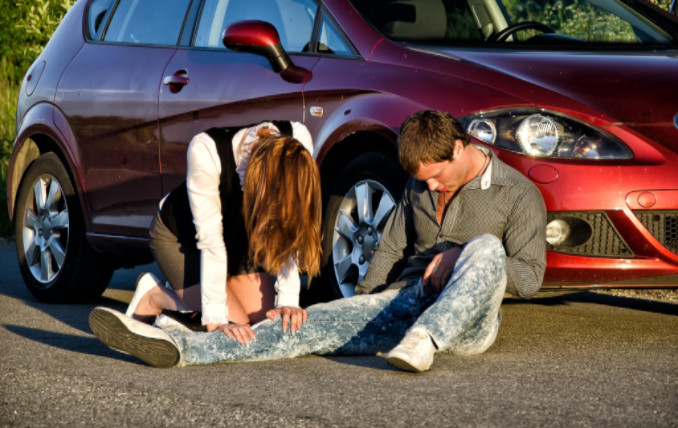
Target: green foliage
<point>664,4</point>
<point>586,22</point>
<point>26,27</point>
<point>576,18</point>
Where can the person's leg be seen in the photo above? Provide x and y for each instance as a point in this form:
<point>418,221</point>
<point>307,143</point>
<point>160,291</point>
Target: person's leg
<point>473,293</point>
<point>363,324</point>
<point>249,296</point>
<point>178,264</point>
<point>154,298</point>
<point>464,318</point>
<point>254,293</point>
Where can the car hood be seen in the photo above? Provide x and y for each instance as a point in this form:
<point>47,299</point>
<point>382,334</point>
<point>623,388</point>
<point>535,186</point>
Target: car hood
<point>633,89</point>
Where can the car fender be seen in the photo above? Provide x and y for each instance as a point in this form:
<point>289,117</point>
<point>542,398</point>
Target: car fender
<point>374,113</point>
<point>44,128</point>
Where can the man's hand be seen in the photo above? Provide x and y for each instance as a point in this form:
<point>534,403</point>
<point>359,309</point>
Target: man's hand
<point>440,269</point>
<point>240,332</point>
<point>291,316</point>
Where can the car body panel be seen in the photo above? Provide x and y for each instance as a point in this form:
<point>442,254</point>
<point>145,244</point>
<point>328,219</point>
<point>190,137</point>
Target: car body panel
<point>593,77</point>
<point>116,130</point>
<point>247,91</point>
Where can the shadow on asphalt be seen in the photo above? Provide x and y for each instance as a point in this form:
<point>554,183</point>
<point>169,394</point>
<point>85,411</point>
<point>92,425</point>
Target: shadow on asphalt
<point>69,342</point>
<point>600,299</point>
<point>365,361</point>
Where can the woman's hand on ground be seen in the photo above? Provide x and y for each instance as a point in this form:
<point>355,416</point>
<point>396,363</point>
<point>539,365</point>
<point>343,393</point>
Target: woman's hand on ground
<point>291,315</point>
<point>240,332</point>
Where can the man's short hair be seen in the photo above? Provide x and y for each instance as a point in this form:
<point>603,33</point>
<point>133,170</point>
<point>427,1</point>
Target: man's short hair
<point>428,136</point>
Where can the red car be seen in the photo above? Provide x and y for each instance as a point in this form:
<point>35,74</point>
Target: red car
<point>579,95</point>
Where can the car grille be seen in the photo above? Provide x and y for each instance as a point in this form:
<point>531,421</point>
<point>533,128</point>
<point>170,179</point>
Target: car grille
<point>601,239</point>
<point>663,225</point>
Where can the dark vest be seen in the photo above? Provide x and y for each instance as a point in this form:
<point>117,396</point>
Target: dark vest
<point>176,211</point>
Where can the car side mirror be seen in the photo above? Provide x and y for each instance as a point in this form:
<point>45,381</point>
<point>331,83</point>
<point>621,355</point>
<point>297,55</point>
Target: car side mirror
<point>261,38</point>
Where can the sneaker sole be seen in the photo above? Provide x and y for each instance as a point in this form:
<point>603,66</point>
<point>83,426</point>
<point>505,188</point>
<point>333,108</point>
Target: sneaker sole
<point>402,364</point>
<point>109,329</point>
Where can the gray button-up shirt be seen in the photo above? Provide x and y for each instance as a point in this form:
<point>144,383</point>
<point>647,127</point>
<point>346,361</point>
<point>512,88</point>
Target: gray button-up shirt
<point>501,202</point>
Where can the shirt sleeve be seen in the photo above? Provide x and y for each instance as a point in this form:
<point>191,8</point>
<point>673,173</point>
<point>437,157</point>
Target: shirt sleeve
<point>393,247</point>
<point>300,133</point>
<point>202,181</point>
<point>525,243</point>
<point>288,285</point>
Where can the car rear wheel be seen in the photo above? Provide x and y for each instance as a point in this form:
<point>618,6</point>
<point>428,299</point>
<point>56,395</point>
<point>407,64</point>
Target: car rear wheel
<point>55,261</point>
<point>359,204</point>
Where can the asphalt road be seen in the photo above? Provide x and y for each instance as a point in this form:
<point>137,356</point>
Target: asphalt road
<point>561,359</point>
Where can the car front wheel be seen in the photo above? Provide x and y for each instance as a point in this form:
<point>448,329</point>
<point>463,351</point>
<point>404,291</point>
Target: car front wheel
<point>55,261</point>
<point>359,204</point>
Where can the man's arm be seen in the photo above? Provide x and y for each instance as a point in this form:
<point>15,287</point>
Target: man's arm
<point>388,259</point>
<point>525,243</point>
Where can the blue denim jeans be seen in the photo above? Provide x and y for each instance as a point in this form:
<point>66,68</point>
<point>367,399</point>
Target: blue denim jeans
<point>462,319</point>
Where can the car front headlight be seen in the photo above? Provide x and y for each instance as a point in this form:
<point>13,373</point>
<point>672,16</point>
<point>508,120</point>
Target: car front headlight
<point>543,133</point>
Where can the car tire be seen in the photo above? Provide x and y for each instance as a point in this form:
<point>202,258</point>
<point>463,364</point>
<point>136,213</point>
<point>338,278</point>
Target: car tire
<point>357,207</point>
<point>55,260</point>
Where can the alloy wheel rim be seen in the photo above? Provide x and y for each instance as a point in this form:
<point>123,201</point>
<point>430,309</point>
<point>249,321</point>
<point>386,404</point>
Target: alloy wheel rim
<point>45,229</point>
<point>357,231</point>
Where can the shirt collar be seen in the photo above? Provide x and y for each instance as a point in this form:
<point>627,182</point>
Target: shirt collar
<point>485,180</point>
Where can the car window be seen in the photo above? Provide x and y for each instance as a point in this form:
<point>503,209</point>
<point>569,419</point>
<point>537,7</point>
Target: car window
<point>330,40</point>
<point>155,22</point>
<point>584,20</point>
<point>552,22</point>
<point>293,19</point>
<point>97,15</point>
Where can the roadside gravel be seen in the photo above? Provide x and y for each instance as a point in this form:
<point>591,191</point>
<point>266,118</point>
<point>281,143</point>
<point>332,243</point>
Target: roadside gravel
<point>668,295</point>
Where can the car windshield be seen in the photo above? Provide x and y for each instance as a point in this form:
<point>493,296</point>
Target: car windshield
<point>537,22</point>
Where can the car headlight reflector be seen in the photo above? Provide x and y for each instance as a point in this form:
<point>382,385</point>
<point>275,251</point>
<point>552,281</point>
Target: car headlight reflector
<point>543,133</point>
<point>537,135</point>
<point>483,129</point>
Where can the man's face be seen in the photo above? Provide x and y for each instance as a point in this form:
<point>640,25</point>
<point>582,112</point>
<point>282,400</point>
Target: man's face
<point>446,176</point>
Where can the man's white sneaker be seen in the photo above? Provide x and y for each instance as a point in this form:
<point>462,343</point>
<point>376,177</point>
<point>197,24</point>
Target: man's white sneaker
<point>125,334</point>
<point>414,353</point>
<point>145,282</point>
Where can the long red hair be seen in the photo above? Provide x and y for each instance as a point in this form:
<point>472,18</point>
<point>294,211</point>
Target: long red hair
<point>281,205</point>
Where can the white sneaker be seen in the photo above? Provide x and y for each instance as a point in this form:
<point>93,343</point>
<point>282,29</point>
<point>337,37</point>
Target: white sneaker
<point>125,334</point>
<point>414,353</point>
<point>145,282</point>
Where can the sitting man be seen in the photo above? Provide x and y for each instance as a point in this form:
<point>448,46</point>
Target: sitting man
<point>467,228</point>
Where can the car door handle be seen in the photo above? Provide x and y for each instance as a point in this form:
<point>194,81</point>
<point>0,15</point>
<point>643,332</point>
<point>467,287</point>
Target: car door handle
<point>176,81</point>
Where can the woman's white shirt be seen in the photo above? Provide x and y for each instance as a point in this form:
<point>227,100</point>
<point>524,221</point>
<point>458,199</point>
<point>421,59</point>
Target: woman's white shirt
<point>202,181</point>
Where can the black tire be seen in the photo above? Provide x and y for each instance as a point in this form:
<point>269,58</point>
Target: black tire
<point>375,181</point>
<point>55,260</point>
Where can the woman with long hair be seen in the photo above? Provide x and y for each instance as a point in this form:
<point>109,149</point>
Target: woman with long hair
<point>248,210</point>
